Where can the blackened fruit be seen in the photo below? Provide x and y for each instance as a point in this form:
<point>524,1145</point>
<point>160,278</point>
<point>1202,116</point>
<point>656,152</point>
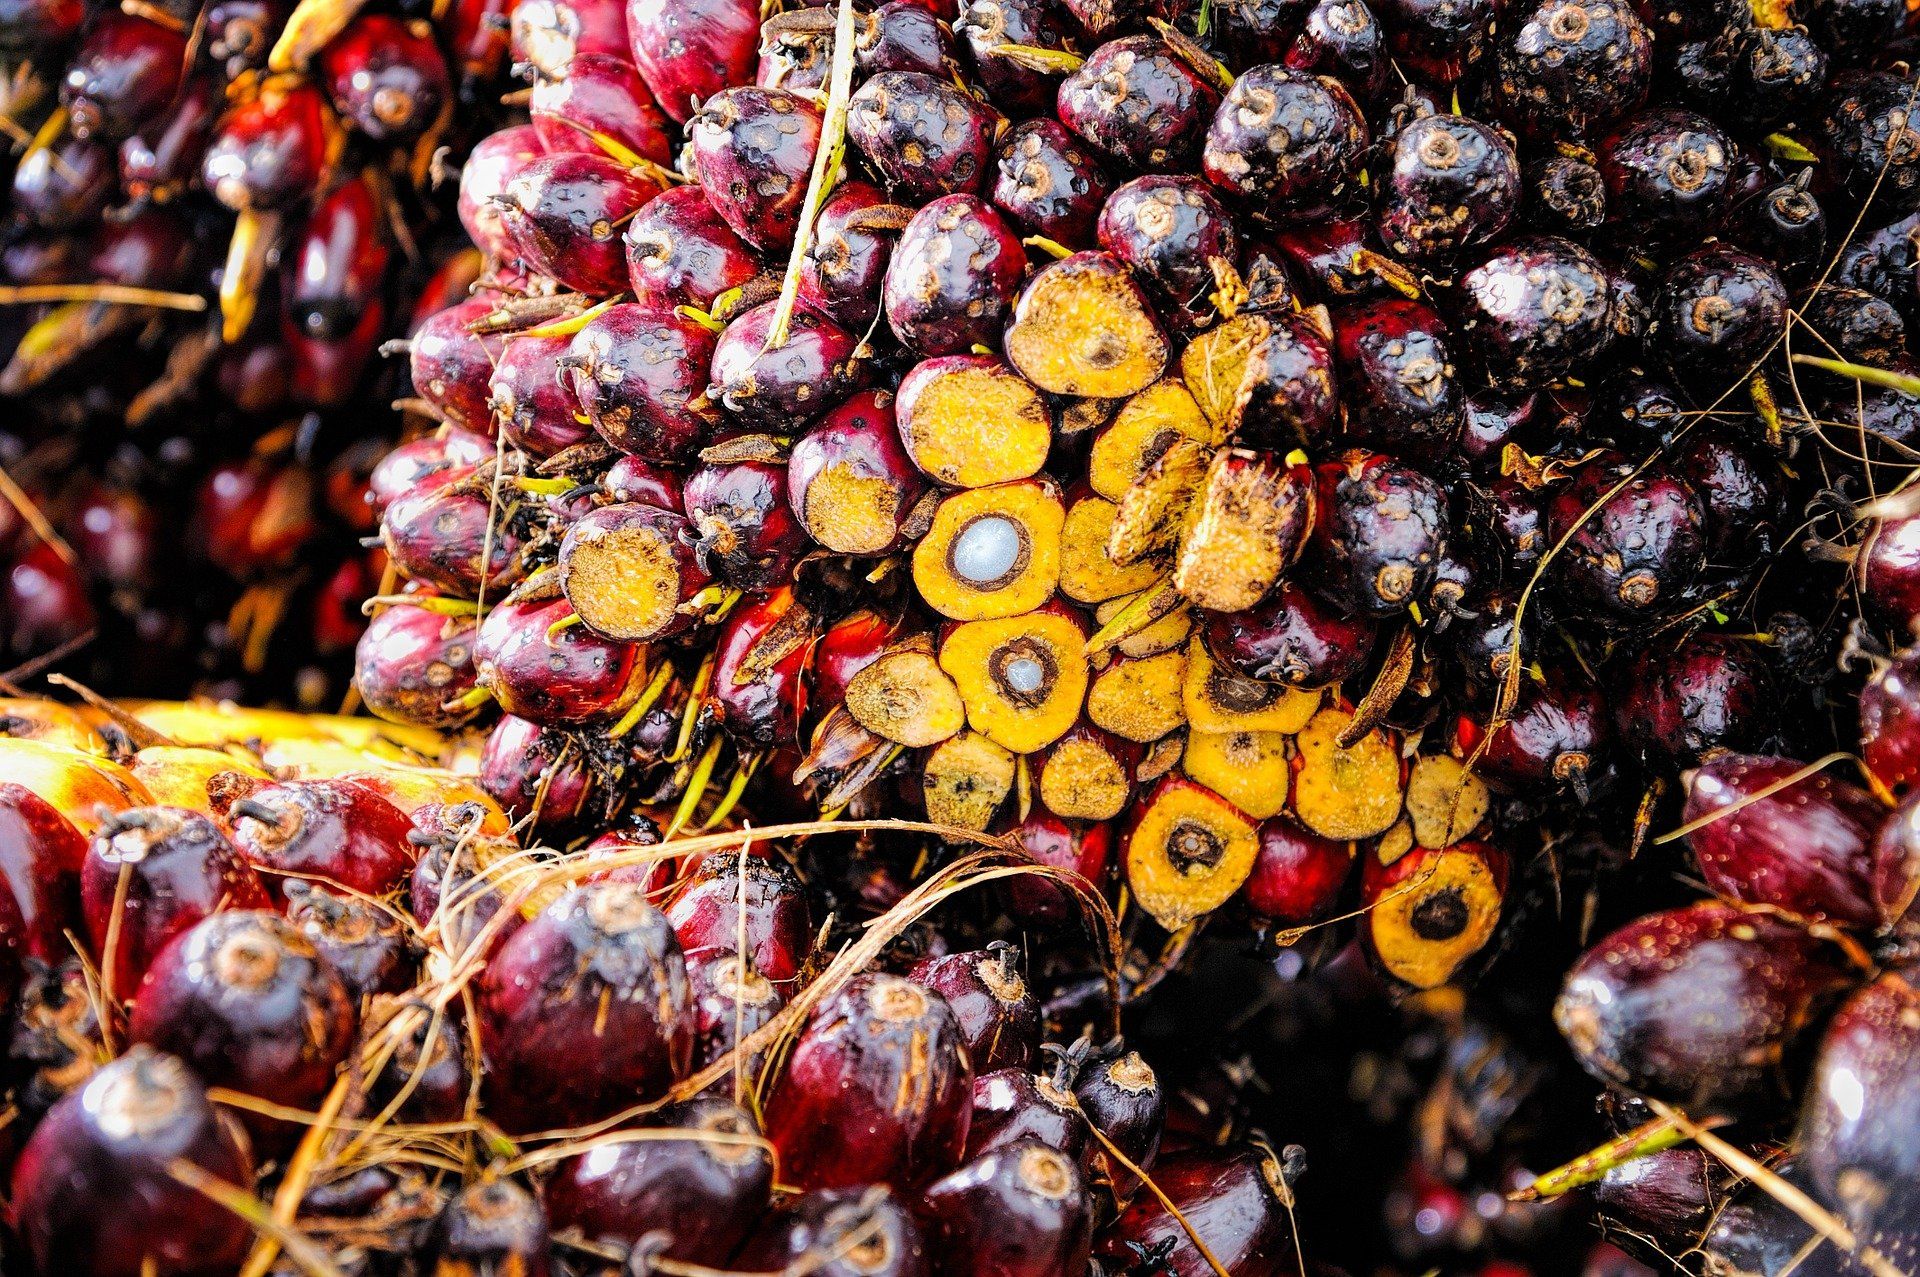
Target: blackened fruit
<point>1121,1097</point>
<point>1782,74</point>
<point>1020,1210</point>
<point>1381,532</point>
<point>1804,848</point>
<point>1635,557</point>
<point>1669,174</point>
<point>877,1088</point>
<point>777,931</point>
<point>1565,196</point>
<point>1440,41</point>
<point>817,367</point>
<point>681,253</point>
<point>1719,311</point>
<point>1170,231</point>
<point>1743,493</point>
<point>689,50</point>
<point>1342,39</point>
<point>597,980</point>
<point>1709,695</point>
<point>1138,103</point>
<point>1235,1198</point>
<point>847,1232</point>
<point>411,662</point>
<point>639,372</point>
<point>386,75</point>
<point>1861,1106</point>
<point>1699,1006</point>
<point>339,831</point>
<point>924,137</point>
<point>985,26</point>
<point>1872,141</point>
<point>1536,310</point>
<point>753,149</point>
<point>490,1226</point>
<point>846,265</point>
<point>1785,225</point>
<point>563,214</point>
<point>1397,378</point>
<point>1454,186</point>
<point>1284,140</point>
<point>124,73</point>
<point>95,1193</point>
<point>1047,182</point>
<point>954,276</point>
<point>998,1015</point>
<point>362,941</point>
<point>1575,66</point>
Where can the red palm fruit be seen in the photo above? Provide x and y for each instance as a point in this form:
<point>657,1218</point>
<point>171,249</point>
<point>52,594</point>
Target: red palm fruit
<point>532,404</point>
<point>444,536</point>
<point>1670,1197</point>
<point>1235,1198</point>
<point>1537,309</point>
<point>817,367</point>
<point>478,39</point>
<point>539,772</point>
<point>33,24</point>
<point>1297,875</point>
<point>680,252</point>
<point>567,676</point>
<point>338,262</point>
<point>1710,695</point>
<point>269,150</point>
<point>326,372</point>
<point>454,895</point>
<point>115,532</point>
<point>386,76</point>
<point>731,1001</point>
<point>1397,379</point>
<point>490,1226</point>
<point>1382,530</point>
<point>152,248</point>
<point>427,1073</point>
<point>1636,556</point>
<point>94,1191</point>
<point>595,979</point>
<point>999,1016</point>
<point>434,459</point>
<point>630,572</point>
<point>707,1189</point>
<point>986,26</point>
<point>125,72</point>
<point>1168,230</point>
<point>760,669</point>
<point>413,665</point>
<point>636,480</point>
<point>846,1232</point>
<point>1890,722</point>
<point>1431,910</point>
<point>63,185</point>
<point>1742,491</point>
<point>753,149</point>
<point>363,942</point>
<point>253,517</point>
<point>563,213</point>
<point>600,96</point>
<point>239,34</point>
<point>743,527</point>
<point>41,856</point>
<point>1020,1210</point>
<point>1294,637</point>
<point>954,276</point>
<point>924,137</point>
<point>1699,1006</point>
<point>849,645</point>
<point>162,156</point>
<point>546,35</point>
<point>1887,572</point>
<point>1862,1105</point>
<point>338,831</point>
<point>1121,1097</point>
<point>494,162</point>
<point>902,35</point>
<point>877,1089</point>
<point>1139,104</point>
<point>777,931</point>
<point>43,602</point>
<point>846,265</point>
<point>849,481</point>
<point>1016,1104</point>
<point>178,868</point>
<point>640,375</point>
<point>247,1001</point>
<point>687,52</point>
<point>1044,179</point>
<point>1557,735</point>
<point>1805,848</point>
<point>1086,850</point>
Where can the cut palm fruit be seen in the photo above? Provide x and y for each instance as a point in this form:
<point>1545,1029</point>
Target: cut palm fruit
<point>964,780</point>
<point>1248,769</point>
<point>1139,698</point>
<point>969,421</point>
<point>1087,575</point>
<point>1168,632</point>
<point>1140,434</point>
<point>1347,792</point>
<point>83,787</point>
<point>992,552</point>
<point>906,697</point>
<point>1088,774</point>
<point>1083,327</point>
<point>1154,508</point>
<point>1432,909</point>
<point>1187,851</point>
<point>1218,700</point>
<point>629,570</point>
<point>1445,801</point>
<point>1250,524</point>
<point>1023,679</point>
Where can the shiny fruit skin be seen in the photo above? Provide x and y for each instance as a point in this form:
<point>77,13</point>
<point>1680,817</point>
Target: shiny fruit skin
<point>778,927</point>
<point>1228,1196</point>
<point>680,252</point>
<point>999,1016</point>
<point>336,830</point>
<point>1020,1210</point>
<point>689,51</point>
<point>41,858</point>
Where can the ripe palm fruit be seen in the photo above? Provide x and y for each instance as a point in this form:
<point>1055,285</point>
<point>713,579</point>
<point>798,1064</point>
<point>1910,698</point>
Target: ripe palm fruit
<point>1021,678</point>
<point>969,420</point>
<point>992,552</point>
<point>1186,851</point>
<point>1431,910</point>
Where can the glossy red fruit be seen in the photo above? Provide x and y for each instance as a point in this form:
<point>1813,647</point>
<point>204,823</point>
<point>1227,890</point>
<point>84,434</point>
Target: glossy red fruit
<point>1890,722</point>
<point>1558,735</point>
<point>1804,848</point>
<point>731,1001</point>
<point>532,404</point>
<point>539,772</point>
<point>1121,1097</point>
<point>777,928</point>
<point>849,480</point>
<point>753,149</point>
<point>847,1232</point>
<point>563,214</point>
<point>633,479</point>
<point>454,895</point>
<point>817,367</point>
<point>1294,637</point>
<point>162,156</point>
<point>1711,695</point>
<point>689,50</point>
<point>846,265</point>
<point>124,73</point>
<point>116,533</point>
<point>94,1192</point>
<point>1862,1104</point>
<point>427,1077</point>
<point>41,856</point>
<point>31,24</point>
<point>412,662</point>
<point>1138,104</point>
<point>572,676</point>
<point>338,262</point>
<point>1086,850</point>
<point>742,525</point>
<point>1021,1210</point>
<point>1297,875</point>
<point>600,96</point>
<point>547,35</point>
<point>365,943</point>
<point>760,670</point>
<point>681,252</point>
<point>877,1089</point>
<point>1397,377</point>
<point>337,831</point>
<point>490,1226</point>
<point>248,1002</point>
<point>1235,1198</point>
<point>269,150</point>
<point>999,1016</point>
<point>386,76</point>
<point>444,536</point>
<point>1636,556</point>
<point>43,603</point>
<point>595,979</point>
<point>494,161</point>
<point>640,376</point>
<point>924,137</point>
<point>1010,1105</point>
<point>954,277</point>
<point>178,868</point>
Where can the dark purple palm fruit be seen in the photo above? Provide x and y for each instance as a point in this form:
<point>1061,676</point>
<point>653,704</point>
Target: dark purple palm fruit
<point>1381,532</point>
<point>901,35</point>
<point>412,665</point>
<point>1874,150</point>
<point>1049,184</point>
<point>1122,1099</point>
<point>248,1002</point>
<point>731,1001</point>
<point>1397,380</point>
<point>493,162</point>
<point>639,373</point>
<point>600,97</point>
<point>359,939</point>
<point>563,214</point>
<point>1482,645</point>
<point>753,150</point>
<point>426,1077</point>
<point>631,572</point>
<point>336,830</point>
<point>796,52</point>
<point>444,536</point>
<point>1743,493</point>
<point>490,1226</point>
<point>742,524</point>
<point>1896,877</point>
<point>1538,309</point>
<point>1342,39</point>
<point>999,1016</point>
<point>1669,175</point>
<point>1804,847</point>
<point>1020,1210</point>
<point>1709,696</point>
<point>1858,30</point>
<point>849,480</point>
<point>1556,738</point>
<point>1700,1006</point>
<point>1237,1198</point>
<point>1635,558</point>
<point>1573,67</point>
<point>1440,42</point>
<point>268,150</point>
<point>1509,527</point>
<point>1019,1104</point>
<point>451,366</point>
<point>386,76</point>
<point>681,253</point>
<point>1170,231</point>
<point>1287,397</point>
<point>780,387</point>
<point>1139,104</point>
<point>553,675</point>
<point>706,1186</point>
<point>124,73</point>
<point>840,1232</point>
<point>689,50</point>
<point>1856,326</point>
<point>540,774</point>
<point>1669,1198</point>
<point>595,979</point>
<point>1563,195</point>
<point>1781,75</point>
<point>954,277</point>
<point>846,264</point>
<point>1890,722</point>
<point>877,1088</point>
<point>63,184</point>
<point>97,1191</point>
<point>1294,637</point>
<point>1454,186</point>
<point>1287,142</point>
<point>1719,311</point>
<point>924,137</point>
<point>1862,1105</point>
<point>777,933</point>
<point>985,26</point>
